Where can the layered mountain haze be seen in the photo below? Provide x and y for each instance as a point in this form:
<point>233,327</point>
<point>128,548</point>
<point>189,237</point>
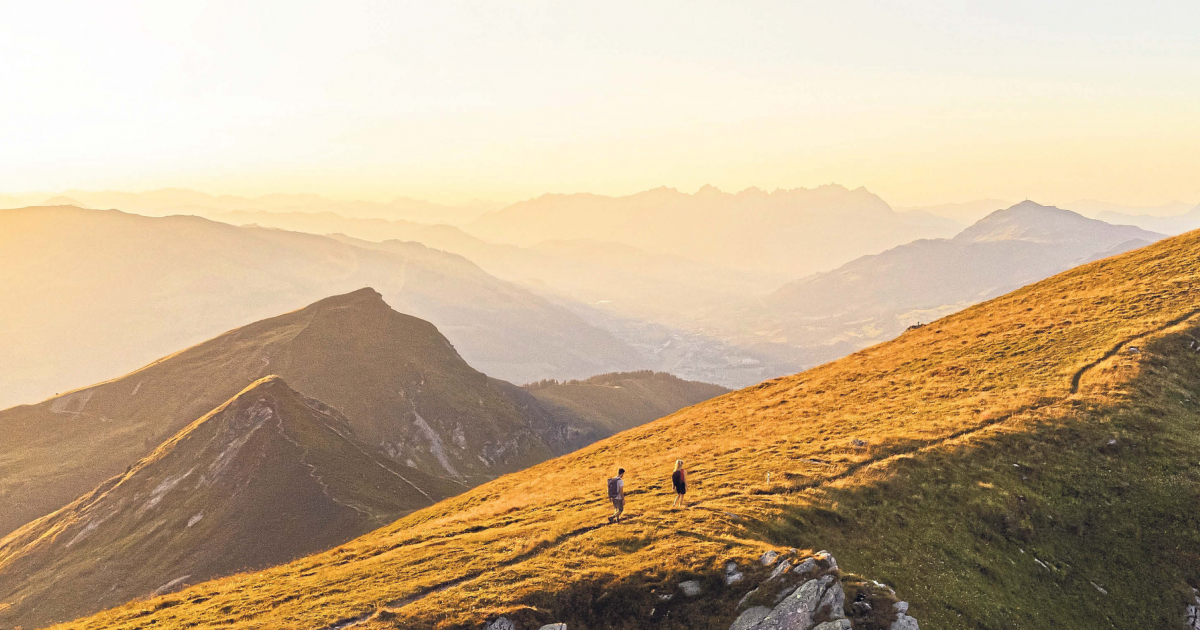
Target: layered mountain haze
<point>168,201</point>
<point>876,297</point>
<point>793,232</point>
<point>103,292</point>
<point>1026,462</point>
<point>268,476</point>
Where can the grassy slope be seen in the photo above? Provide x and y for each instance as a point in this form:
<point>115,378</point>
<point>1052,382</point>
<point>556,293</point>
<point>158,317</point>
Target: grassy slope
<point>622,400</point>
<point>267,477</point>
<point>934,504</point>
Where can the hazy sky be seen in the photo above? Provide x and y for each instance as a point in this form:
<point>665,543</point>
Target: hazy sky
<point>921,102</point>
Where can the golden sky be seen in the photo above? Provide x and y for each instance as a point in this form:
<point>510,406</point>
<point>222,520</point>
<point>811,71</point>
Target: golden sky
<point>921,102</point>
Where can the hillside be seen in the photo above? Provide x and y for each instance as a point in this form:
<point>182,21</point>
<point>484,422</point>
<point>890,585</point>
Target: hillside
<point>400,384</point>
<point>1026,462</point>
<point>789,232</point>
<point>623,400</point>
<point>876,297</point>
<point>266,477</point>
<point>104,292</point>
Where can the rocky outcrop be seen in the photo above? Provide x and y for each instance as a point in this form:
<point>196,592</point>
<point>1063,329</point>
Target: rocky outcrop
<point>808,594</point>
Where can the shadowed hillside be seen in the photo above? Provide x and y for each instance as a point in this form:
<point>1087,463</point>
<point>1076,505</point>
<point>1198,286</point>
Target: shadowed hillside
<point>266,477</point>
<point>102,292</point>
<point>1026,462</point>
<point>400,384</point>
<point>621,400</point>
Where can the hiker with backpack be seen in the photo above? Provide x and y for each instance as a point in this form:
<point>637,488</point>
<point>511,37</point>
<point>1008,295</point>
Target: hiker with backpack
<point>616,494</point>
<point>679,480</point>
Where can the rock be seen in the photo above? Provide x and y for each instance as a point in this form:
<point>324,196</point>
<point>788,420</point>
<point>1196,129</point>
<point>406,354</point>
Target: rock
<point>554,626</point>
<point>904,622</point>
<point>839,624</point>
<point>691,588</point>
<point>785,592</point>
<point>858,443</point>
<point>827,557</point>
<point>833,601</point>
<point>901,607</point>
<point>665,597</point>
<point>796,612</point>
<point>503,623</point>
<point>732,575</point>
<point>751,618</point>
<point>746,597</point>
<point>780,569</point>
<point>808,566</point>
<point>861,609</point>
<point>768,557</point>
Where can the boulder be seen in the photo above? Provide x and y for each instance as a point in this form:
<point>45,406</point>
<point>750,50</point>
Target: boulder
<point>780,569</point>
<point>837,624</point>
<point>691,588</point>
<point>825,556</point>
<point>554,626</point>
<point>503,623</point>
<point>808,566</point>
<point>796,612</point>
<point>904,622</point>
<point>768,557</point>
<point>833,602</point>
<point>750,619</point>
<point>732,575</point>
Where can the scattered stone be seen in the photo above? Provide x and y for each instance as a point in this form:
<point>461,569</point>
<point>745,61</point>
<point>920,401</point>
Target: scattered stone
<point>691,588</point>
<point>503,623</point>
<point>780,569</point>
<point>808,566</point>
<point>751,618</point>
<point>1134,350</point>
<point>904,622</point>
<point>732,575</point>
<point>665,597</point>
<point>858,443</point>
<point>901,608</point>
<point>838,624</point>
<point>554,626</point>
<point>861,609</point>
<point>768,557</point>
<point>1111,442</point>
<point>1099,588</point>
<point>826,557</point>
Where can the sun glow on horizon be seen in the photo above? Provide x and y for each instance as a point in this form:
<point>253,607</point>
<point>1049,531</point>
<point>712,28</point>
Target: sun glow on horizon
<point>921,104</point>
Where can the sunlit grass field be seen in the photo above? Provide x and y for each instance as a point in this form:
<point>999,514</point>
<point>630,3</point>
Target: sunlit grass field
<point>1030,462</point>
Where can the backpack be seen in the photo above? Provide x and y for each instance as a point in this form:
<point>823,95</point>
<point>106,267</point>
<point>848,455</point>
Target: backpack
<point>614,487</point>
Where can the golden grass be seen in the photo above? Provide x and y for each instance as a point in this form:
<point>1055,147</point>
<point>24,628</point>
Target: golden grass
<point>963,419</point>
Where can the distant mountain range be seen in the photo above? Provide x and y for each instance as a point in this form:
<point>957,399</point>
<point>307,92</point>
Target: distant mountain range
<point>274,440</point>
<point>102,292</point>
<point>790,232</point>
<point>168,201</point>
<point>876,297</point>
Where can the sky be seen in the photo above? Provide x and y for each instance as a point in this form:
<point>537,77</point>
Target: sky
<point>920,102</point>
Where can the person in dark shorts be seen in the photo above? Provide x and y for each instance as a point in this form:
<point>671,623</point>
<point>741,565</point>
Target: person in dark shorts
<point>616,494</point>
<point>679,480</point>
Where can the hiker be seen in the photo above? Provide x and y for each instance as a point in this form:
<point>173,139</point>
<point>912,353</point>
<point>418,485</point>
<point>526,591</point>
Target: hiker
<point>679,480</point>
<point>616,493</point>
